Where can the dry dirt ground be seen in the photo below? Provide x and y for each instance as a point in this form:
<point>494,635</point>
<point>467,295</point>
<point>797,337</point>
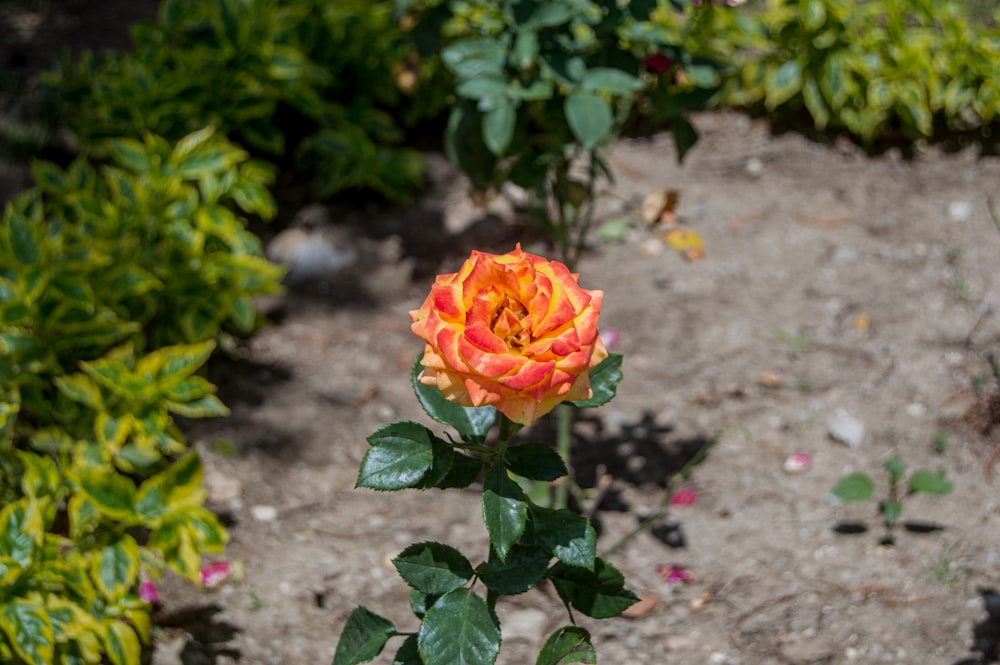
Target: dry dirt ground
<point>834,283</point>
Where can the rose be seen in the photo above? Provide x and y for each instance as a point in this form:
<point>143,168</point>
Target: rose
<point>515,331</point>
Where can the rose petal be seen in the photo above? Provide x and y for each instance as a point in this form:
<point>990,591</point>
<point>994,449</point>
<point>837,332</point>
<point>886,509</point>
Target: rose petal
<point>674,574</point>
<point>148,593</point>
<point>683,497</point>
<point>215,573</point>
<point>798,463</point>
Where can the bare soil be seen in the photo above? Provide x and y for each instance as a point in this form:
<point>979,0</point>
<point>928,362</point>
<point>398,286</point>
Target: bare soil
<point>834,282</point>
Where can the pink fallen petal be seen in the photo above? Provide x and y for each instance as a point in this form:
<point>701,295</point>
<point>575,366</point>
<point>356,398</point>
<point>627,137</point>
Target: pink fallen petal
<point>148,592</point>
<point>798,463</point>
<point>215,573</point>
<point>673,574</point>
<point>683,497</point>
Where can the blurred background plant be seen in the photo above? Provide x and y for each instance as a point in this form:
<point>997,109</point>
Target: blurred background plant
<point>116,284</point>
<point>326,90</point>
<point>544,89</point>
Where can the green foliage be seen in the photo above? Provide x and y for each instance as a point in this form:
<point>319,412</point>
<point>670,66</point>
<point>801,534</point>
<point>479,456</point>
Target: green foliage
<point>116,284</point>
<point>325,86</point>
<point>876,69</point>
<point>542,88</point>
<point>528,543</point>
<point>860,487</point>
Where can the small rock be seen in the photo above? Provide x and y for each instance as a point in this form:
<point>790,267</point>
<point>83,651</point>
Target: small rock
<point>959,211</point>
<point>845,428</point>
<point>754,167</point>
<point>652,247</point>
<point>263,513</point>
<point>312,249</point>
<point>916,409</point>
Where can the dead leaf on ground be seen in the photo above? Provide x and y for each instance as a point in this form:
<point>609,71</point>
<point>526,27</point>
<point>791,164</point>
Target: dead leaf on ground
<point>645,605</point>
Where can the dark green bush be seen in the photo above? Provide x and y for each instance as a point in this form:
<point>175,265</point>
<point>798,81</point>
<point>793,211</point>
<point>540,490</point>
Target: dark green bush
<point>327,87</point>
<point>116,283</point>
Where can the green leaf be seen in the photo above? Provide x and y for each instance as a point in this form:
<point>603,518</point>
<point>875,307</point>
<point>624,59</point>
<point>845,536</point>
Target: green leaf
<point>929,482</point>
<point>21,530</point>
<point>208,161</point>
<point>80,388</point>
<point>433,568</point>
<point>129,154</point>
<point>782,83</point>
<point>567,645</point>
<point>504,510</point>
<point>408,653</point>
<point>41,476</point>
<point>590,118</point>
<point>895,468</point>
<point>599,594</point>
<point>208,406</point>
<point>854,487</point>
<point>535,461</point>
<point>498,126</point>
<point>473,58</point>
<point>463,472</point>
<point>112,494</point>
<point>122,643</point>
<point>28,630</point>
<point>483,87</point>
<point>400,456</point>
<point>441,465</point>
<point>891,511</point>
<point>23,244</point>
<point>813,14</point>
<point>459,629</point>
<point>523,569</point>
<point>570,537</point>
<point>365,633</point>
<point>604,381</point>
<point>609,80</point>
<point>115,568</point>
<point>472,423</point>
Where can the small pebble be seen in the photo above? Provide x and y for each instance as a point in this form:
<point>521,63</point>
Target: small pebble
<point>754,167</point>
<point>845,428</point>
<point>959,211</point>
<point>263,513</point>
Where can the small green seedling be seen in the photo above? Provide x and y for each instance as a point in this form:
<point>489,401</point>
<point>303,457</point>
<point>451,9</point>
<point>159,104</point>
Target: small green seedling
<point>860,487</point>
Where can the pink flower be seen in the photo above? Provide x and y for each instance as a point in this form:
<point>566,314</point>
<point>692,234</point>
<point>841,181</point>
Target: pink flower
<point>673,574</point>
<point>148,592</point>
<point>657,63</point>
<point>215,573</point>
<point>683,497</point>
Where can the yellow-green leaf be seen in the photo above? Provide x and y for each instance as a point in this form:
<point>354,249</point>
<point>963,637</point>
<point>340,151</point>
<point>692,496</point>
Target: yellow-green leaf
<point>115,568</point>
<point>29,630</point>
<point>111,493</point>
<point>80,388</point>
<point>122,643</point>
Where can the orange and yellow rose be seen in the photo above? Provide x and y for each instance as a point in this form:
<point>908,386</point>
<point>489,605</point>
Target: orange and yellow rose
<point>515,331</point>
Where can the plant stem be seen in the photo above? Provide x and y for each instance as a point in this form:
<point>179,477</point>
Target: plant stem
<point>564,435</point>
